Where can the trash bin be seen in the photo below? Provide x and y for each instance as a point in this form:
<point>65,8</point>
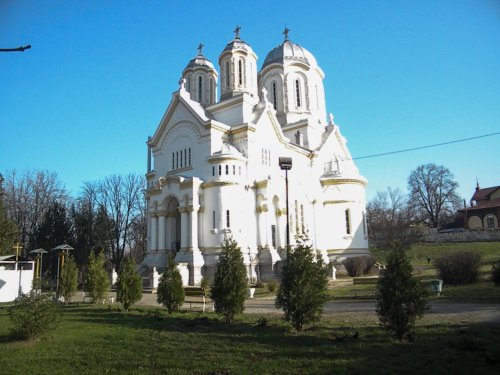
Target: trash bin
<point>437,286</point>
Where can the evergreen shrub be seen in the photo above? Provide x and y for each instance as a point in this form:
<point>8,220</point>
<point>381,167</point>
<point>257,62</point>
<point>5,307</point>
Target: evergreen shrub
<point>230,281</point>
<point>401,299</point>
<point>303,289</point>
<point>97,282</point>
<point>170,291</point>
<point>459,267</point>
<point>495,273</point>
<point>128,285</point>
<point>33,314</point>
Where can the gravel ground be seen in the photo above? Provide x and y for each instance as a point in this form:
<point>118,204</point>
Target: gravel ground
<point>365,310</point>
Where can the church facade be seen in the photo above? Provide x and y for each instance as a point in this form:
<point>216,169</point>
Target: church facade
<point>213,165</point>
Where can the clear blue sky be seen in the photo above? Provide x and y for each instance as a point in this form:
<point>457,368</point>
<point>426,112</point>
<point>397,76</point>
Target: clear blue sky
<point>399,74</point>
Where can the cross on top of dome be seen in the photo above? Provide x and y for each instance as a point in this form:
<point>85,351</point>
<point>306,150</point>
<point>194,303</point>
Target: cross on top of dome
<point>200,49</point>
<point>285,32</point>
<point>237,32</point>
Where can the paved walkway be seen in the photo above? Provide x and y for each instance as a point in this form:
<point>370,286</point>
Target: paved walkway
<point>365,310</point>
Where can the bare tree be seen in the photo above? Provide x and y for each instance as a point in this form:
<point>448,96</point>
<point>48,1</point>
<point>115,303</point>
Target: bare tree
<point>138,234</point>
<point>389,217</point>
<point>28,197</point>
<point>120,197</point>
<point>433,193</point>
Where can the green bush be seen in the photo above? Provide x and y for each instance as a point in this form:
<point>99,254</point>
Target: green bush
<point>33,314</point>
<point>97,282</point>
<point>495,273</point>
<point>205,286</point>
<point>170,290</point>
<point>400,297</point>
<point>128,285</point>
<point>303,289</point>
<point>370,262</point>
<point>272,286</point>
<point>68,280</point>
<point>358,266</point>
<point>230,281</point>
<point>459,267</point>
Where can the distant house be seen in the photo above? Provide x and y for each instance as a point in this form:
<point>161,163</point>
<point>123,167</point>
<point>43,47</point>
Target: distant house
<point>484,210</point>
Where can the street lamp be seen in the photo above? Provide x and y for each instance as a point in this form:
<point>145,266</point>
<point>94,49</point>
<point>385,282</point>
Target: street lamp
<point>62,251</point>
<point>286,164</point>
<point>38,254</point>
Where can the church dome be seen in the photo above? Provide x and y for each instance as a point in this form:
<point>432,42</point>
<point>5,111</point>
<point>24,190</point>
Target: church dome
<point>199,61</point>
<point>201,79</point>
<point>290,52</point>
<point>237,44</point>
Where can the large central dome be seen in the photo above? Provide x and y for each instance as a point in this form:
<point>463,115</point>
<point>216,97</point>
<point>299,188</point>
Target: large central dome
<point>289,52</point>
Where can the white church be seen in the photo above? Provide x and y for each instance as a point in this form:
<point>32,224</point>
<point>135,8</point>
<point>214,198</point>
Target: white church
<point>213,165</point>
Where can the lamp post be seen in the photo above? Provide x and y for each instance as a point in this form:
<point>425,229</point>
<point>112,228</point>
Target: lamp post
<point>38,254</point>
<point>286,164</point>
<point>62,251</point>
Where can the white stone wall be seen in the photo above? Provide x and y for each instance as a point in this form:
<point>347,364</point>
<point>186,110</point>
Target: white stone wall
<point>13,281</point>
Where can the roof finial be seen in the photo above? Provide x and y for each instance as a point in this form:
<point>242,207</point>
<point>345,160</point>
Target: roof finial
<point>285,33</point>
<point>237,32</point>
<point>200,49</point>
<point>477,184</point>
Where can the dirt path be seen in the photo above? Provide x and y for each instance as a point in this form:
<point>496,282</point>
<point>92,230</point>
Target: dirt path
<point>365,310</point>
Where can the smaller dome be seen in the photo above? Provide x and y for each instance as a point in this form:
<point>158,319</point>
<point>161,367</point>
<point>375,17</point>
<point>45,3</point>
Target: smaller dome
<point>200,61</point>
<point>289,51</point>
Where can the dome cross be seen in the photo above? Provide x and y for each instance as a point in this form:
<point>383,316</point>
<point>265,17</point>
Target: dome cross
<point>200,49</point>
<point>285,33</point>
<point>237,32</point>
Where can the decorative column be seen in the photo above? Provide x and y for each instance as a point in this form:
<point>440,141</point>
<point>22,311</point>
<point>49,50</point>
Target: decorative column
<point>154,232</point>
<point>260,242</point>
<point>268,243</point>
<point>168,231</point>
<point>184,227</point>
<point>161,231</point>
<point>193,233</point>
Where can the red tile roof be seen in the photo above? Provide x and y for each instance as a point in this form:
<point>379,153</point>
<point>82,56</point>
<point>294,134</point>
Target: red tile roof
<point>488,204</point>
<point>482,194</point>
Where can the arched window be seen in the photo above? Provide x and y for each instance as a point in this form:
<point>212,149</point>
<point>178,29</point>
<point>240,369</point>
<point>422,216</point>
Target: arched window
<point>228,75</point>
<point>275,98</point>
<point>189,153</point>
<point>303,227</point>
<point>200,88</point>
<point>490,222</point>
<point>234,169</point>
<point>227,169</point>
<point>188,83</point>
<point>213,219</point>
<point>173,160</point>
<point>348,221</point>
<point>176,159</point>
<point>228,223</point>
<point>213,171</point>
<point>297,93</point>
<point>212,91</point>
<point>185,158</point>
<point>220,170</point>
<point>240,72</point>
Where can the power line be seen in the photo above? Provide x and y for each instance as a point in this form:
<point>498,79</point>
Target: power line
<point>19,49</point>
<point>422,147</point>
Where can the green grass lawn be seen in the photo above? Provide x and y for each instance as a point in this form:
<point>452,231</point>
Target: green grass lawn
<point>95,340</point>
<point>483,291</point>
